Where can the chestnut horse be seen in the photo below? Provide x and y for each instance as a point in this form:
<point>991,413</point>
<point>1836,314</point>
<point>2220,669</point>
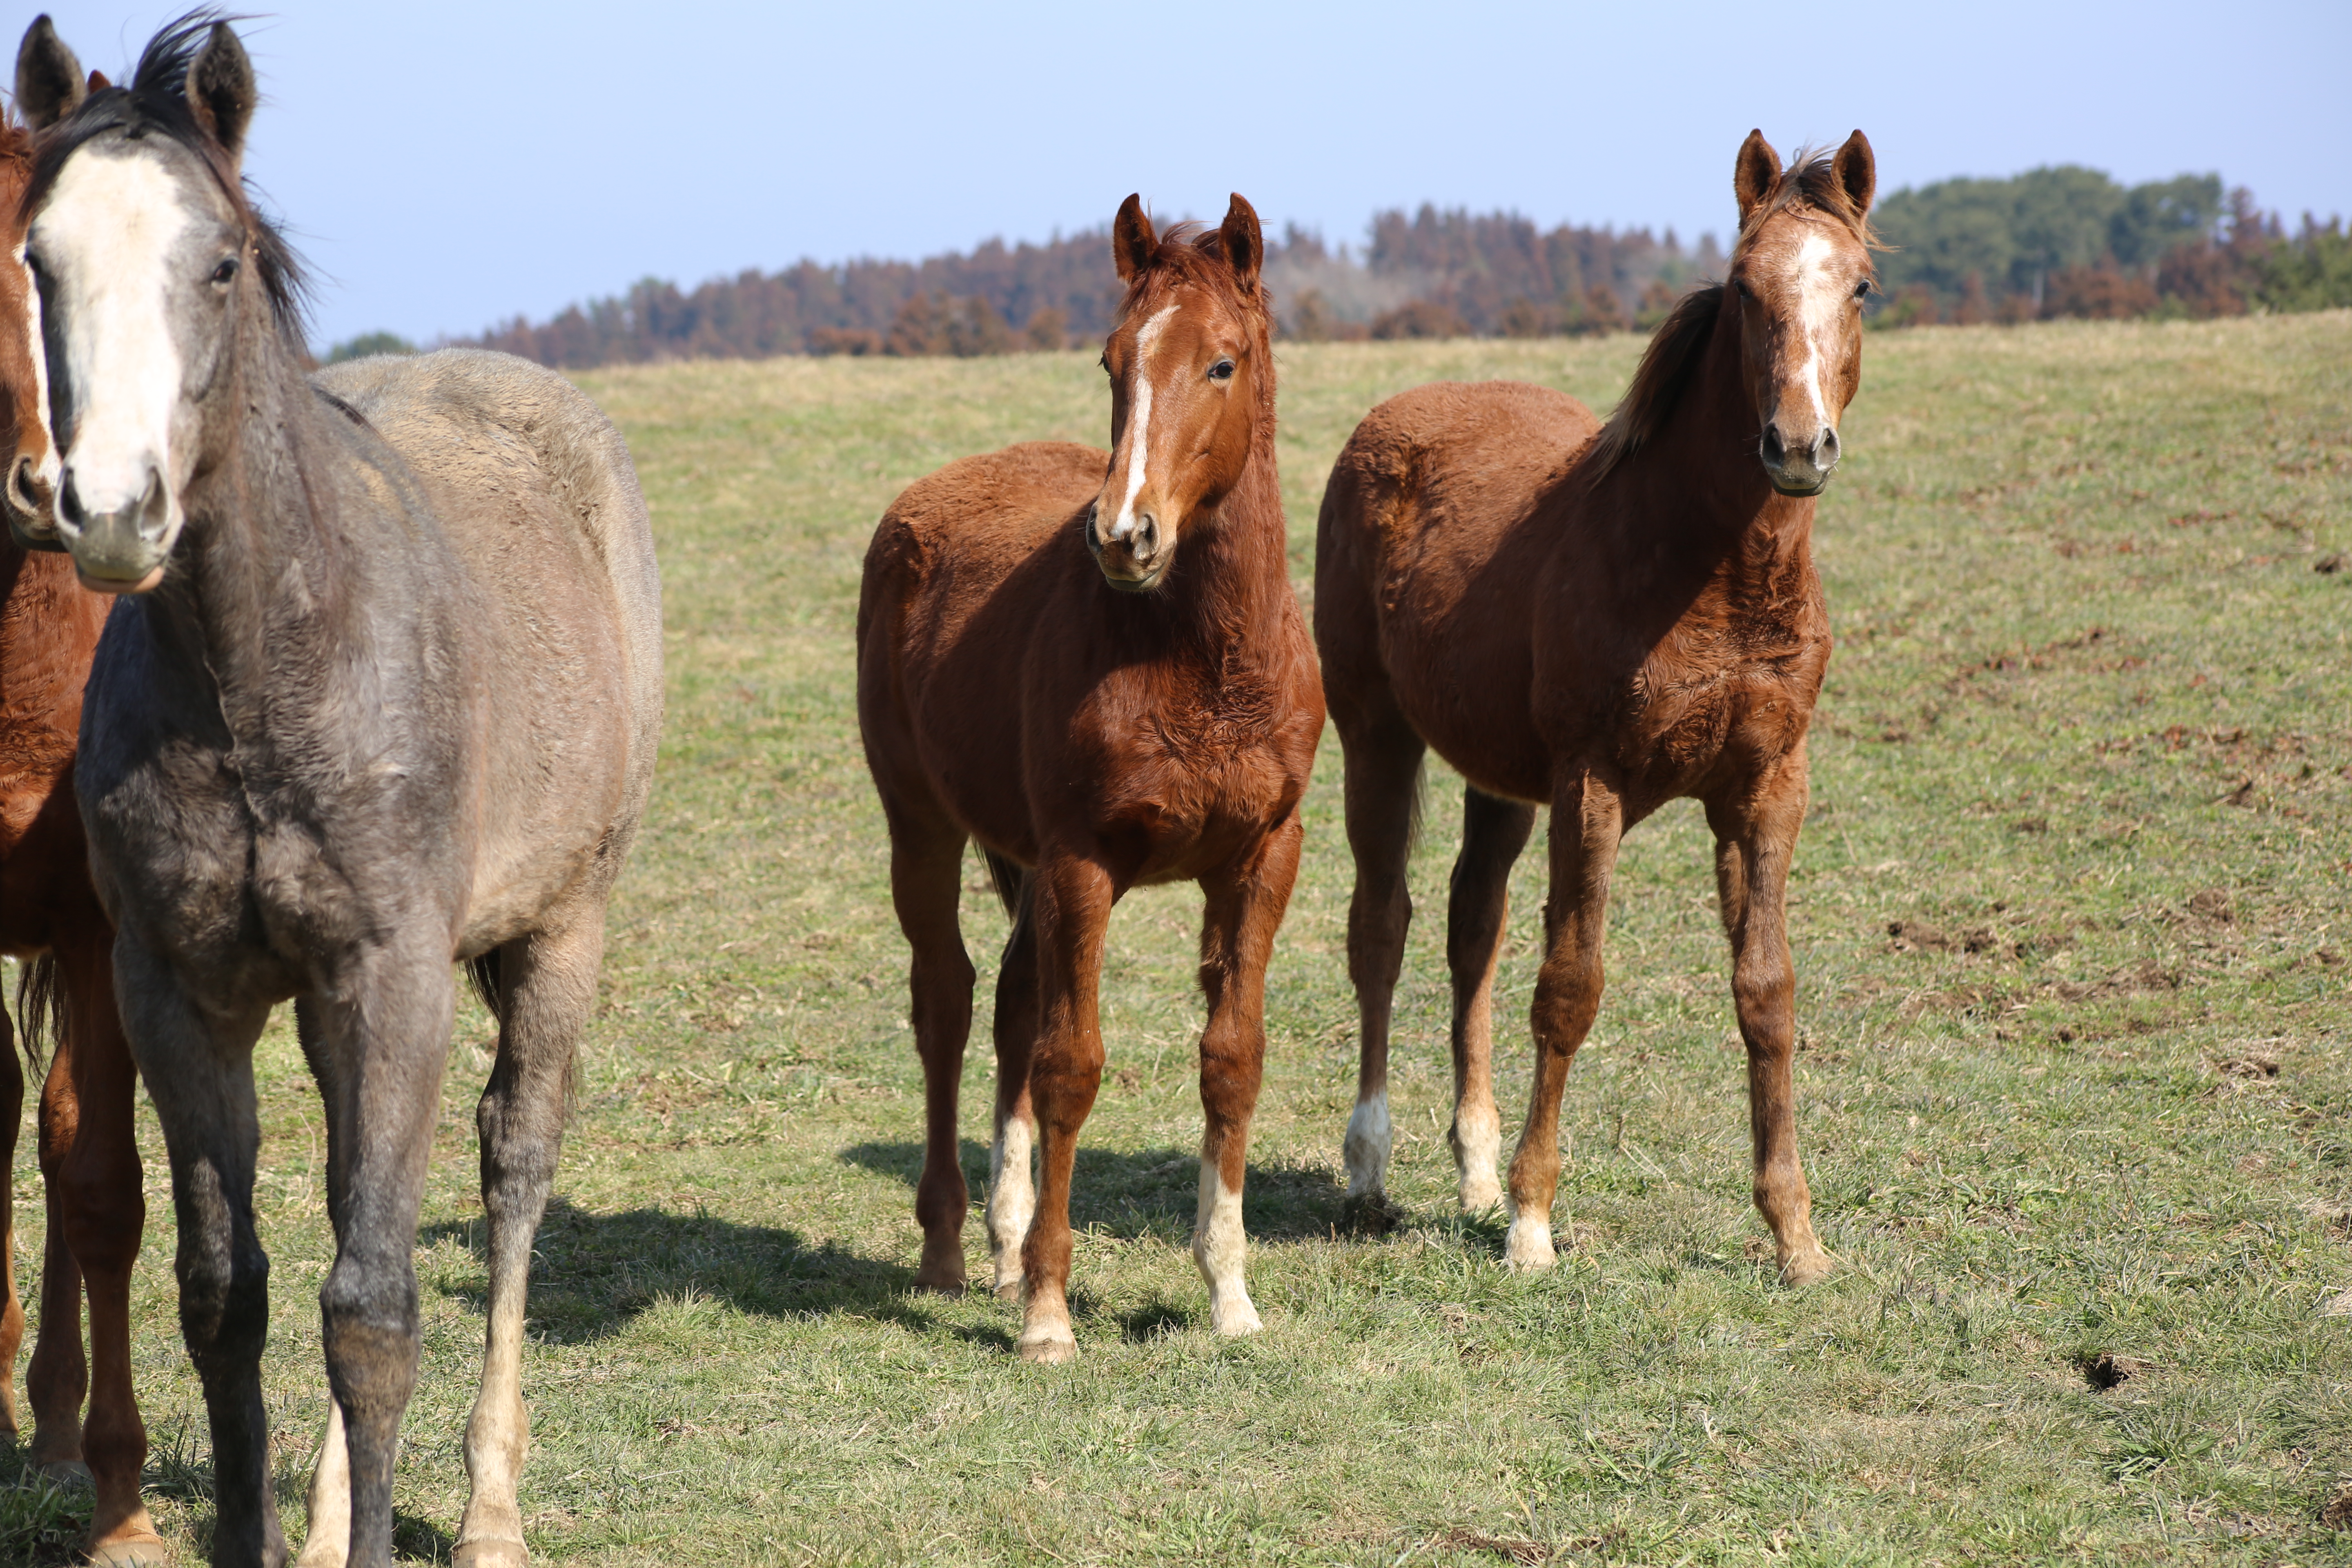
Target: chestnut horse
<point>381,694</point>
<point>1094,664</point>
<point>50,917</point>
<point>1601,620</point>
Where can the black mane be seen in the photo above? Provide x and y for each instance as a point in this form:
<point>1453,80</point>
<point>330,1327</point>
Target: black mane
<point>156,102</point>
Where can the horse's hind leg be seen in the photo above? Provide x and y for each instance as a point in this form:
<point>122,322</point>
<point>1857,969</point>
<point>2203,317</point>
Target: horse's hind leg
<point>1494,832</point>
<point>57,1379</point>
<point>1012,1187</point>
<point>1245,910</point>
<point>925,885</point>
<point>104,1211</point>
<point>547,992</point>
<point>1382,791</point>
<point>1755,837</point>
<point>12,1309</point>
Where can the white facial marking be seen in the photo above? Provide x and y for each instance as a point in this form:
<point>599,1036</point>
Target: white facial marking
<point>107,236</point>
<point>1138,421</point>
<point>1219,1247</point>
<point>46,470</point>
<point>1819,301</point>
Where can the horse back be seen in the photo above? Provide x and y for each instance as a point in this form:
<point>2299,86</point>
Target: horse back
<point>1433,538</point>
<point>536,494</point>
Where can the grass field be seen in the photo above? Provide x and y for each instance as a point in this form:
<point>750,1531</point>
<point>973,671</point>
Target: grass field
<point>2072,918</point>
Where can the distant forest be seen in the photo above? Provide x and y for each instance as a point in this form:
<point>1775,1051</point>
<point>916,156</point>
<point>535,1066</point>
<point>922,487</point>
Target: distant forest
<point>2062,241</point>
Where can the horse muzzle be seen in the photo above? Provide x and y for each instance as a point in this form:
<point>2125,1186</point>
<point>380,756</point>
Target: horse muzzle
<point>1134,561</point>
<point>1798,469</point>
<point>31,506</point>
<point>116,549</point>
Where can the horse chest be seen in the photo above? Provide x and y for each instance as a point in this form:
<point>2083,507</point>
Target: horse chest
<point>1207,765</point>
<point>1689,720</point>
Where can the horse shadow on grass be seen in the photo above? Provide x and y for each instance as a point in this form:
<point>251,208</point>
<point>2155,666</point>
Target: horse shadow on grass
<point>593,1274</point>
<point>1151,1191</point>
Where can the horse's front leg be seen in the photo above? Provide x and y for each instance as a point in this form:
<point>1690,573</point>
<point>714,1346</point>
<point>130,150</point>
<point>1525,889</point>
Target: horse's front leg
<point>1756,835</point>
<point>382,1041</point>
<point>1587,821</point>
<point>1245,910</point>
<point>198,1064</point>
<point>1070,899</point>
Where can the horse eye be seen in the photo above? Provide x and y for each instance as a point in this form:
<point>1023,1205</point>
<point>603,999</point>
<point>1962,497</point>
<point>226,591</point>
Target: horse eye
<point>225,270</point>
<point>1861,289</point>
<point>1222,371</point>
<point>1745,291</point>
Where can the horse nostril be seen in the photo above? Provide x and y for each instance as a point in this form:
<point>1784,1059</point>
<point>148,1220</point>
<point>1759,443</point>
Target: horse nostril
<point>1776,450</point>
<point>1829,448</point>
<point>1147,534</point>
<point>70,510</point>
<point>154,506</point>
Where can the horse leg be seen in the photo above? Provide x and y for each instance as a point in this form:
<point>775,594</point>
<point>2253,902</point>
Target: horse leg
<point>1070,899</point>
<point>57,1379</point>
<point>1494,832</point>
<point>383,1035</point>
<point>926,887</point>
<point>1755,839</point>
<point>199,1071</point>
<point>1587,821</point>
<point>548,992</point>
<point>1383,789</point>
<point>327,1529</point>
<point>104,1211</point>
<point>12,1309</point>
<point>1245,909</point>
<point>1012,1188</point>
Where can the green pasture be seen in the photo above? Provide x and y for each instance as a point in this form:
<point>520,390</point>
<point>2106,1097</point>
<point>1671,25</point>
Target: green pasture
<point>2072,918</point>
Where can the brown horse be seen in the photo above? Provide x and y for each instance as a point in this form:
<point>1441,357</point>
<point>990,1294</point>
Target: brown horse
<point>1094,665</point>
<point>49,915</point>
<point>1601,619</point>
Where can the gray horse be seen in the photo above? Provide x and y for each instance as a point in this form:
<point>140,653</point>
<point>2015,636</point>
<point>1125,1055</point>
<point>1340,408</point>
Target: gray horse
<point>382,693</point>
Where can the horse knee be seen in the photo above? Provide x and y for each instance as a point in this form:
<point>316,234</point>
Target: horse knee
<point>102,1215</point>
<point>367,1309</point>
<point>1761,991</point>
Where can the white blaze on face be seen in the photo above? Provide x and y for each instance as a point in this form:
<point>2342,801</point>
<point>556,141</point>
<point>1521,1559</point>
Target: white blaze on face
<point>1138,421</point>
<point>1820,301</point>
<point>107,235</point>
<point>46,470</point>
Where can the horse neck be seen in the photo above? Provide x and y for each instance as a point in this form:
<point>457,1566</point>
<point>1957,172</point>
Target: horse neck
<point>256,597</point>
<point>1230,595</point>
<point>48,628</point>
<point>1696,493</point>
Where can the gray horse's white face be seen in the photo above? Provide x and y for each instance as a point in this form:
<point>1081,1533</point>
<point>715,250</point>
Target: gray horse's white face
<point>137,255</point>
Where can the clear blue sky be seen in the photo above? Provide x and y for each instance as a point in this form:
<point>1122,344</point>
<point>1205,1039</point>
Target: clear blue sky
<point>447,165</point>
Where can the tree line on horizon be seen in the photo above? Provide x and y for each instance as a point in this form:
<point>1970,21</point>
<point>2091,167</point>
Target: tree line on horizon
<point>2052,242</point>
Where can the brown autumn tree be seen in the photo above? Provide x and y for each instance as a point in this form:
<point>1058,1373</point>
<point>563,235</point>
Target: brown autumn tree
<point>1526,319</point>
<point>1048,330</point>
<point>919,328</point>
<point>1419,319</point>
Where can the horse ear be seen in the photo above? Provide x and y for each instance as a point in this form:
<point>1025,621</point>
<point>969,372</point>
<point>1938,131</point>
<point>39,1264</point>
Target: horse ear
<point>48,78</point>
<point>1132,243</point>
<point>221,92</point>
<point>1754,174</point>
<point>98,82</point>
<point>1244,245</point>
<point>1857,172</point>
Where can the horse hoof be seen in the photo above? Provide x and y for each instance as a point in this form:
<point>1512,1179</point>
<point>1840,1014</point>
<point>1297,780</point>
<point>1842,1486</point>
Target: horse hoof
<point>1527,1249</point>
<point>1481,1193</point>
<point>1234,1321</point>
<point>134,1552</point>
<point>488,1554</point>
<point>1809,1267</point>
<point>939,1285</point>
<point>1048,1347</point>
<point>1369,1214</point>
<point>70,1473</point>
<point>1008,1289</point>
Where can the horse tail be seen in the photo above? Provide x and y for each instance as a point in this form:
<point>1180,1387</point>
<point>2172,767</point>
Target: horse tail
<point>482,971</point>
<point>1009,880</point>
<point>1420,805</point>
<point>40,1005</point>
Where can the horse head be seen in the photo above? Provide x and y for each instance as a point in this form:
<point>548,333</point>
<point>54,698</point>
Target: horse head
<point>1799,275</point>
<point>1190,370</point>
<point>150,266</point>
<point>28,463</point>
